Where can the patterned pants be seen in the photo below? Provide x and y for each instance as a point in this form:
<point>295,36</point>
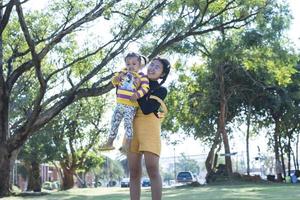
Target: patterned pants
<point>122,111</point>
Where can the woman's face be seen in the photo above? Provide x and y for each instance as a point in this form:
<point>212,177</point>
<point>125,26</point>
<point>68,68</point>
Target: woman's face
<point>155,70</point>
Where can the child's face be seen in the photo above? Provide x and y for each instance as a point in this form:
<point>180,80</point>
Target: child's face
<point>133,64</point>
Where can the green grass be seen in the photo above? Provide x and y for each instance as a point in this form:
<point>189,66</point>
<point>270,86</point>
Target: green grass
<point>217,192</point>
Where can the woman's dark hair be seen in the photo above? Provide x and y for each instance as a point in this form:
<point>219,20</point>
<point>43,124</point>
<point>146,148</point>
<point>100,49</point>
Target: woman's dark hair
<point>166,68</point>
<point>142,59</point>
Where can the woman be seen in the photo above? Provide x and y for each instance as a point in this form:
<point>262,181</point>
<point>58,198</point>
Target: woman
<point>146,132</point>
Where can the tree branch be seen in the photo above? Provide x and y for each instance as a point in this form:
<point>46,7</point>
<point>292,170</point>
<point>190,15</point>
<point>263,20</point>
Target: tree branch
<point>192,32</point>
<point>96,12</point>
<point>81,58</point>
<point>37,63</point>
<point>18,138</point>
<point>6,15</point>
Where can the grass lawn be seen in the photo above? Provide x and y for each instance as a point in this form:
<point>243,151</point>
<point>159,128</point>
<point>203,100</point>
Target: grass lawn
<point>217,192</point>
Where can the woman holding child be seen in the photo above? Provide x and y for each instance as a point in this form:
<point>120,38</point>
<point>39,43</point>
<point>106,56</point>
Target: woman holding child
<point>146,131</point>
<point>139,106</point>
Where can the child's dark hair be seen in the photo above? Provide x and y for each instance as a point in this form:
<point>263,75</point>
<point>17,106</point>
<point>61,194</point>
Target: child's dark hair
<point>166,68</point>
<point>142,59</point>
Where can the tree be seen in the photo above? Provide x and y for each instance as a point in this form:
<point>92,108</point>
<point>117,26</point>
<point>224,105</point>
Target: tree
<point>275,67</point>
<point>233,72</point>
<point>75,133</point>
<point>111,170</point>
<point>187,164</point>
<point>36,150</point>
<point>29,44</point>
<point>42,47</point>
<point>69,140</point>
<point>92,161</point>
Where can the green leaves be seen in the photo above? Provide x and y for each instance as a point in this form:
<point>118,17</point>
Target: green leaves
<point>279,63</point>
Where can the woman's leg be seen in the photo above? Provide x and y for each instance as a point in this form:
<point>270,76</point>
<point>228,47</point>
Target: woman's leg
<point>152,165</point>
<point>135,170</point>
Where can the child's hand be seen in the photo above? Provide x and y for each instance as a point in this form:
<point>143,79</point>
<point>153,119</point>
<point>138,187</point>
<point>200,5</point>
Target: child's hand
<point>134,97</point>
<point>118,79</point>
<point>115,80</point>
<point>121,76</point>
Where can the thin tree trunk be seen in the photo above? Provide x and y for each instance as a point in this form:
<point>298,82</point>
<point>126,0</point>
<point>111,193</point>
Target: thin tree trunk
<point>209,162</point>
<point>297,152</point>
<point>278,166</point>
<point>289,148</point>
<point>282,156</point>
<point>247,139</point>
<point>294,159</point>
<point>222,121</point>
<point>217,156</point>
<point>81,178</point>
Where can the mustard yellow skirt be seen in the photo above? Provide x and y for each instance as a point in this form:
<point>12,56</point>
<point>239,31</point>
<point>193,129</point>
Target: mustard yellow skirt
<point>146,133</point>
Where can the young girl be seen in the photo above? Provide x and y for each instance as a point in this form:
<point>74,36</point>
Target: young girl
<point>131,85</point>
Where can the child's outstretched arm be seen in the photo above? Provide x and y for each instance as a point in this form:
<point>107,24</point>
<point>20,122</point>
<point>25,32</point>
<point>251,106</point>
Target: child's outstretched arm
<point>144,86</point>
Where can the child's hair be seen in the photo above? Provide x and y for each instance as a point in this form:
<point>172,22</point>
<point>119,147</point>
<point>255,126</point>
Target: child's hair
<point>166,68</point>
<point>142,59</point>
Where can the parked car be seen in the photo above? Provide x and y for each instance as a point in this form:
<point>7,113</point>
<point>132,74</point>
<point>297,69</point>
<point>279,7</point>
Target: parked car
<point>185,177</point>
<point>51,185</point>
<point>146,182</point>
<point>125,182</point>
<point>98,184</point>
<point>111,183</point>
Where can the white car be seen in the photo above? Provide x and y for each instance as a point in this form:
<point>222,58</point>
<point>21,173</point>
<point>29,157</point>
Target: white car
<point>125,182</point>
<point>186,177</point>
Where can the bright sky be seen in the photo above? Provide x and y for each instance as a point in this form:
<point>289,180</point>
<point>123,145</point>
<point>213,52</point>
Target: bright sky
<point>189,146</point>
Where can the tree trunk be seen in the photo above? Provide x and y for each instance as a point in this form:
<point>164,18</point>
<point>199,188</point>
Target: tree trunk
<point>222,121</point>
<point>13,159</point>
<point>4,171</point>
<point>294,159</point>
<point>68,178</point>
<point>297,153</point>
<point>34,182</point>
<point>81,178</point>
<point>278,166</point>
<point>60,174</point>
<point>217,155</point>
<point>282,157</point>
<point>247,140</point>
<point>5,154</point>
<point>289,148</point>
<point>210,160</point>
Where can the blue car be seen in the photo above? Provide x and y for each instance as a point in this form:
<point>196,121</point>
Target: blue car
<point>146,182</point>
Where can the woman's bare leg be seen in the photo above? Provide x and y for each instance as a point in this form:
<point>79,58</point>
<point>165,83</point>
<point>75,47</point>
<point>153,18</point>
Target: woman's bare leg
<point>135,170</point>
<point>152,165</point>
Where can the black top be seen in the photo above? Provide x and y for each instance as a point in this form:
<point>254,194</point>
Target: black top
<point>151,105</point>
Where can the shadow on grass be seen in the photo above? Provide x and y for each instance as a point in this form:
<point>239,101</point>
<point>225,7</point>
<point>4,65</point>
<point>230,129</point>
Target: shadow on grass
<point>236,192</point>
<point>57,196</point>
<point>217,192</point>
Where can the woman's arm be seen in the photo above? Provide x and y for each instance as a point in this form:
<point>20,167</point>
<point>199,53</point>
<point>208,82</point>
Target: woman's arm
<point>151,105</point>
